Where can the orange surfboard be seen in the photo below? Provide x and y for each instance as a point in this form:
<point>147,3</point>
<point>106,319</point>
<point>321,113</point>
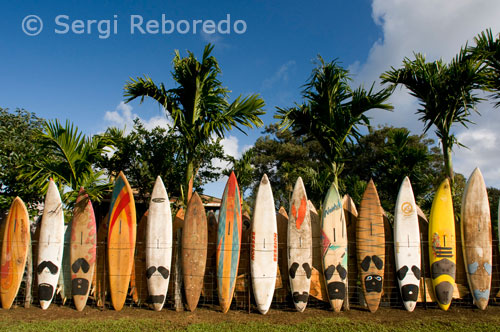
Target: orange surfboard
<point>121,240</point>
<point>14,252</point>
<point>228,242</point>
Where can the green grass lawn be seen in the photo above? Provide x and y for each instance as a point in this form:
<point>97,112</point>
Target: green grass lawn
<point>310,325</point>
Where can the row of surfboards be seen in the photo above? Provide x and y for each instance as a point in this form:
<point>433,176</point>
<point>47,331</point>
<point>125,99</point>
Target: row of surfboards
<point>370,243</point>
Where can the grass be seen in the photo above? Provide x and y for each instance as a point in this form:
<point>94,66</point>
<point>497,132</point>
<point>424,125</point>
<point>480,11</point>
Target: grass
<point>310,325</point>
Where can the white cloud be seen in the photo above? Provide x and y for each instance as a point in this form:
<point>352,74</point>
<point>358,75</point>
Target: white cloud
<point>437,29</point>
<point>281,75</point>
<point>123,117</point>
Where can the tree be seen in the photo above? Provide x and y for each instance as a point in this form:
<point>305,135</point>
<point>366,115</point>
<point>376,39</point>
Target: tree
<point>487,49</point>
<point>145,154</point>
<point>284,157</point>
<point>387,155</point>
<point>69,161</point>
<point>19,147</point>
<point>445,92</point>
<point>333,112</point>
<point>198,105</point>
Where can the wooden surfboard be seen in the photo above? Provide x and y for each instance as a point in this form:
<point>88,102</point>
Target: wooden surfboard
<point>121,240</point>
<point>229,232</point>
<point>101,274</point>
<point>442,245</point>
<point>15,247</point>
<point>370,244</point>
<point>407,245</point>
<point>334,248</point>
<point>138,280</point>
<point>50,246</point>
<point>299,247</point>
<point>264,247</point>
<point>476,237</point>
<point>158,245</point>
<point>83,249</point>
<point>194,250</point>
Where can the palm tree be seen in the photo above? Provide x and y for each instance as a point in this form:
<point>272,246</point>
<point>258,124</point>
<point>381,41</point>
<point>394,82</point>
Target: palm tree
<point>333,112</point>
<point>445,92</point>
<point>198,105</point>
<point>487,49</point>
<point>69,162</point>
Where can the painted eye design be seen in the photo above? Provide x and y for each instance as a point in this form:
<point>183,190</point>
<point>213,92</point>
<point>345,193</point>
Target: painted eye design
<point>378,278</point>
<point>369,278</point>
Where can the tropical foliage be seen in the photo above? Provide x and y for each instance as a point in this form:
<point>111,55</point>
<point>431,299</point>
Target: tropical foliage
<point>198,105</point>
<point>19,146</point>
<point>447,94</point>
<point>145,154</point>
<point>69,161</point>
<point>333,112</point>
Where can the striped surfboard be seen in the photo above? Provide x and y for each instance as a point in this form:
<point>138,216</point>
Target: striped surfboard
<point>121,240</point>
<point>228,242</point>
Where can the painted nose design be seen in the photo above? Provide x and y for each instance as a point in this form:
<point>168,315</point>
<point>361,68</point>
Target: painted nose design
<point>161,269</point>
<point>79,286</point>
<point>80,263</point>
<point>47,264</point>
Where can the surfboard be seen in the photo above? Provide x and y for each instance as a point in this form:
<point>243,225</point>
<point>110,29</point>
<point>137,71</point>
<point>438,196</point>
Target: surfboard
<point>442,246</point>
<point>101,273</point>
<point>194,250</point>
<point>370,241</point>
<point>229,231</point>
<point>64,283</point>
<point>15,247</point>
<point>138,280</point>
<point>476,236</point>
<point>407,245</point>
<point>83,249</point>
<point>50,246</point>
<point>121,240</point>
<point>158,245</point>
<point>299,247</point>
<point>334,248</point>
<point>264,247</point>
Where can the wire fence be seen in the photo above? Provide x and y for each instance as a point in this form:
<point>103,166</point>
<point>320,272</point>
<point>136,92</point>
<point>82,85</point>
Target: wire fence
<point>243,298</point>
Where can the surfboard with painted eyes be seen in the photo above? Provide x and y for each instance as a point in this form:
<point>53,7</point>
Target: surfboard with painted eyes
<point>229,230</point>
<point>264,247</point>
<point>121,240</point>
<point>50,246</point>
<point>442,245</point>
<point>476,237</point>
<point>194,250</point>
<point>83,249</point>
<point>299,247</point>
<point>158,245</point>
<point>14,251</point>
<point>334,248</point>
<point>370,244</point>
<point>407,245</point>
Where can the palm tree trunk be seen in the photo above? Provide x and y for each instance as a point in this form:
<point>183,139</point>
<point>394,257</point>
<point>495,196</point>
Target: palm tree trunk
<point>448,166</point>
<point>189,180</point>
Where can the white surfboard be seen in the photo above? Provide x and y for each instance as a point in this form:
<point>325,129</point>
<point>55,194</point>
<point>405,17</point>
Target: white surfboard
<point>264,247</point>
<point>158,245</point>
<point>299,247</point>
<point>50,246</point>
<point>334,248</point>
<point>407,245</point>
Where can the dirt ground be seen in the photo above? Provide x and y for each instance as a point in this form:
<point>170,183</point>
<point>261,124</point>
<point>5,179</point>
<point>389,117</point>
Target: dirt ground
<point>390,316</point>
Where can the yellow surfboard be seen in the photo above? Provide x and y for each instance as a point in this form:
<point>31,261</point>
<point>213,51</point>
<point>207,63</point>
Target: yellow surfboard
<point>442,246</point>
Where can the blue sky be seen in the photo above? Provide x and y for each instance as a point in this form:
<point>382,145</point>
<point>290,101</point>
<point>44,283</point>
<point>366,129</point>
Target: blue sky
<point>81,76</point>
